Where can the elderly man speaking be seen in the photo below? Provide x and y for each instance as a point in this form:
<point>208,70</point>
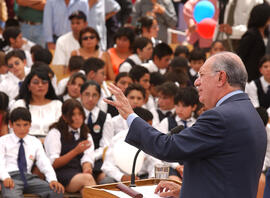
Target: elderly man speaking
<point>223,151</point>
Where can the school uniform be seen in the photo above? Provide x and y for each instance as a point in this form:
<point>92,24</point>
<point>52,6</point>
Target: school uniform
<point>11,84</point>
<point>56,146</point>
<point>159,115</point>
<point>259,92</point>
<point>101,131</point>
<point>10,152</point>
<point>108,108</point>
<point>152,67</point>
<point>118,124</point>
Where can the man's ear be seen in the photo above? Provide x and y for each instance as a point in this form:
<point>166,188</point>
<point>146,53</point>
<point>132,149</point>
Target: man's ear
<point>222,78</point>
<point>194,107</point>
<point>11,41</point>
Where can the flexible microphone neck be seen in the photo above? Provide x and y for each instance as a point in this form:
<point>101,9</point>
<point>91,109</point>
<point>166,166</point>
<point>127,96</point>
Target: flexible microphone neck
<point>132,182</point>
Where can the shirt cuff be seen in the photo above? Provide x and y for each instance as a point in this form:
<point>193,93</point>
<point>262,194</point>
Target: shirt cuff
<point>130,118</point>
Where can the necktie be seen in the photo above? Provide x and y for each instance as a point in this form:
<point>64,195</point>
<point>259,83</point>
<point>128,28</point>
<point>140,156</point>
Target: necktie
<point>20,83</point>
<point>22,162</point>
<point>268,90</point>
<point>89,122</point>
<point>185,123</point>
<point>73,133</point>
<point>169,113</point>
<point>230,19</point>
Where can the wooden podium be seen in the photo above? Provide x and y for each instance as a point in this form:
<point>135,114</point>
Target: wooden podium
<point>97,192</point>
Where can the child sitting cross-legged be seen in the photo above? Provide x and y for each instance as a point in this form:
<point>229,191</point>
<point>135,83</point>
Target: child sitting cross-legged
<point>18,152</point>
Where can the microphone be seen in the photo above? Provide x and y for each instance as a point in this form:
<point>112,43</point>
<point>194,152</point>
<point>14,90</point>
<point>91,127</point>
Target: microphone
<point>176,130</point>
<point>132,181</point>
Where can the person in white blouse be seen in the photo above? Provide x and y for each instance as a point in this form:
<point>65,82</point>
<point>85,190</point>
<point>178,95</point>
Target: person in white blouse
<point>142,52</point>
<point>115,169</point>
<point>98,122</point>
<point>18,152</point>
<point>135,94</point>
<point>17,71</point>
<point>37,94</point>
<point>70,148</point>
<point>259,90</point>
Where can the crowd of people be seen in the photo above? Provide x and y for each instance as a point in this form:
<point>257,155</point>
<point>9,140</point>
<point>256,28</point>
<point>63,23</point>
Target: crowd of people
<point>101,42</point>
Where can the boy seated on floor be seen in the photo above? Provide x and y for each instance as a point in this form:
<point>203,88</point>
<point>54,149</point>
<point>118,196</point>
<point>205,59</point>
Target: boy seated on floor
<point>18,152</point>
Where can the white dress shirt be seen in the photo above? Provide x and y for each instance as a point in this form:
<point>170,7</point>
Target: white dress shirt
<point>156,120</point>
<point>9,148</point>
<point>65,44</point>
<point>42,115</point>
<point>152,67</point>
<point>10,84</point>
<point>107,133</point>
<point>164,124</point>
<point>53,146</point>
<point>61,86</point>
<point>251,90</point>
<point>110,168</point>
<point>126,66</point>
<point>118,124</point>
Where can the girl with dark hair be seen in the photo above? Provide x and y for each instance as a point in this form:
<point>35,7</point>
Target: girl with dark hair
<point>89,40</point>
<point>147,26</point>
<point>73,87</point>
<point>70,148</point>
<point>4,100</point>
<point>252,44</point>
<point>98,122</point>
<point>37,94</point>
<point>142,52</point>
<point>123,39</point>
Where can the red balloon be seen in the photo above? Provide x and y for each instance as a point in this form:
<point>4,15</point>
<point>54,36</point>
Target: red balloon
<point>206,28</point>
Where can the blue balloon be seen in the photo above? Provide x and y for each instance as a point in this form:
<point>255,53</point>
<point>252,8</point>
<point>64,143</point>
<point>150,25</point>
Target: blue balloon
<point>203,9</point>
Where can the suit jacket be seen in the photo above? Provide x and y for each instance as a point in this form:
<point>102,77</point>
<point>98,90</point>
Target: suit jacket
<point>251,50</point>
<point>223,152</point>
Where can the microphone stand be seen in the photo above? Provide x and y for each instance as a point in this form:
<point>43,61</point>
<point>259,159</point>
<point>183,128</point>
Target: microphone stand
<point>132,182</point>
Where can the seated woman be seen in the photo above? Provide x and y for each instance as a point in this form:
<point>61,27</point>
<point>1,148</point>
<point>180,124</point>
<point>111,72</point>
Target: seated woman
<point>98,122</point>
<point>4,100</point>
<point>142,52</point>
<point>70,148</point>
<point>37,94</point>
<point>73,87</point>
<point>123,39</point>
<point>89,40</point>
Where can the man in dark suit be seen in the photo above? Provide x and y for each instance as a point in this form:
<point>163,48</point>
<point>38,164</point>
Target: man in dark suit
<point>223,151</point>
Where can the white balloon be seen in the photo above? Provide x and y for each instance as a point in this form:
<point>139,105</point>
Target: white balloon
<point>124,154</point>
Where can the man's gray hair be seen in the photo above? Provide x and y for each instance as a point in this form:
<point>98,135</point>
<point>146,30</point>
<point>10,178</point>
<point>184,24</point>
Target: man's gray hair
<point>233,66</point>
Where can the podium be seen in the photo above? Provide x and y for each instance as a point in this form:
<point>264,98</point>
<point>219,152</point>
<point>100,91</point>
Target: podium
<point>98,192</point>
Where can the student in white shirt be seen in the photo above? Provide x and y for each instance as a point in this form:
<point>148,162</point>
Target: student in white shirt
<point>142,52</point>
<point>185,101</point>
<point>70,148</point>
<point>141,76</point>
<point>135,94</point>
<point>111,166</point>
<point>122,80</point>
<point>98,122</point>
<point>16,63</point>
<point>259,90</point>
<point>73,88</point>
<point>162,55</point>
<point>165,96</point>
<point>37,94</point>
<point>18,152</point>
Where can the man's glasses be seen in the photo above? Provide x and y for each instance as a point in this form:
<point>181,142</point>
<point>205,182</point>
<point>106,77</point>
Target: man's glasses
<point>88,37</point>
<point>37,82</point>
<point>10,66</point>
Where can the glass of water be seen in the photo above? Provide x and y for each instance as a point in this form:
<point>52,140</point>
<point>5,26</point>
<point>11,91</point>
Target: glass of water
<point>162,171</point>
